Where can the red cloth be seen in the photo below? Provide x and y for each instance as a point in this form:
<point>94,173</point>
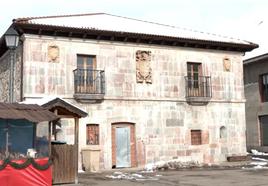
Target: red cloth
<point>29,176</point>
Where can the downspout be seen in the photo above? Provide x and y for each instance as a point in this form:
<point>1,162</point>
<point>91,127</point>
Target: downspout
<point>21,69</point>
<point>11,74</point>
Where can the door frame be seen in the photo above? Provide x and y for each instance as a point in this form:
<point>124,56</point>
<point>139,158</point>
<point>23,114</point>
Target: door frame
<point>261,123</point>
<point>133,154</point>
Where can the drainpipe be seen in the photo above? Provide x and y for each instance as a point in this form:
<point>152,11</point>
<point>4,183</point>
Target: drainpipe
<point>11,75</point>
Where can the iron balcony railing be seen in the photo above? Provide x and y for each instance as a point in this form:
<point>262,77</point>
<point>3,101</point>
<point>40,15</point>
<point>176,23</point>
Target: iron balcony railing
<point>88,81</point>
<point>198,86</point>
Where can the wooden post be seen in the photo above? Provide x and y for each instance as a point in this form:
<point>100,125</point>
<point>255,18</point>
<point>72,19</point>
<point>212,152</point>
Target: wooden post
<point>7,150</point>
<point>34,135</point>
<point>49,138</point>
<point>54,126</point>
<point>76,142</point>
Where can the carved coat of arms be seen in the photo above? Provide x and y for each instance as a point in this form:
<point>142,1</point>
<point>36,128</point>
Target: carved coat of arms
<point>227,64</point>
<point>53,53</point>
<point>143,66</point>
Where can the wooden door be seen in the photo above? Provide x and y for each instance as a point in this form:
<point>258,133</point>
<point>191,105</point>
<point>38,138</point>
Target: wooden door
<point>123,147</point>
<point>194,71</point>
<point>264,130</point>
<point>64,163</point>
<point>86,66</point>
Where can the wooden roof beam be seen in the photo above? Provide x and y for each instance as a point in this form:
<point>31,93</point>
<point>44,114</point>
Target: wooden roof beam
<point>150,41</point>
<point>98,37</point>
<point>84,35</point>
<point>40,31</point>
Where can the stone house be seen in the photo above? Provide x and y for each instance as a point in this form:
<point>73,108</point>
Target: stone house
<point>152,91</point>
<point>256,93</point>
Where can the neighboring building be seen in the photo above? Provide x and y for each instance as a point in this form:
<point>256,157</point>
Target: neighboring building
<point>256,92</point>
<point>152,92</point>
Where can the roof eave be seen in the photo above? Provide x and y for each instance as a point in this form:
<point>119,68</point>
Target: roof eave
<point>256,59</point>
<point>88,33</point>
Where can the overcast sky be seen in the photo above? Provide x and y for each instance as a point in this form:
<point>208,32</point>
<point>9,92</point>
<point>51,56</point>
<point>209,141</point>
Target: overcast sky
<point>243,19</point>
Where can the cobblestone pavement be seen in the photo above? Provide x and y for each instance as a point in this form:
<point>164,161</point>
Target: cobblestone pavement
<point>195,177</point>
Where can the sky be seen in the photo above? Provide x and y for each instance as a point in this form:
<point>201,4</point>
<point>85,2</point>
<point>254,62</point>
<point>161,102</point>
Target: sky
<point>242,19</point>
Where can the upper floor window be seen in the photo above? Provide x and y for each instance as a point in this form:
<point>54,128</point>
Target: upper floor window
<point>89,82</point>
<point>86,62</point>
<point>264,87</point>
<point>193,72</point>
<point>93,134</point>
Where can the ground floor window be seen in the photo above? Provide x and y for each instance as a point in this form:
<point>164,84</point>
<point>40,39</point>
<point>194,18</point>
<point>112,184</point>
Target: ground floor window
<point>196,138</point>
<point>93,134</point>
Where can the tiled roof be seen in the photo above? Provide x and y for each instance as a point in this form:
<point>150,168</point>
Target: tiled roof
<point>51,102</point>
<point>260,58</point>
<point>31,112</point>
<point>108,22</point>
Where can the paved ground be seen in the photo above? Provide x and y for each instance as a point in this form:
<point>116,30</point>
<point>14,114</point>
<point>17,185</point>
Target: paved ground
<point>196,177</point>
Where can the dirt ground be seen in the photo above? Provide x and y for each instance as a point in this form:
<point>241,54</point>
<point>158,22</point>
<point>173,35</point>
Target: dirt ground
<point>195,177</point>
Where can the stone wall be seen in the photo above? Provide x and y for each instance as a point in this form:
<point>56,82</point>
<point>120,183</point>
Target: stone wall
<point>5,74</point>
<point>163,120</point>
<point>168,66</point>
<point>163,129</point>
<point>254,106</point>
<point>4,77</point>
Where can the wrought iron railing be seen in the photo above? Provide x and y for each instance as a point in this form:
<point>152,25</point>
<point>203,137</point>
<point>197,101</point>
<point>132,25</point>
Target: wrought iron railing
<point>88,81</point>
<point>198,86</point>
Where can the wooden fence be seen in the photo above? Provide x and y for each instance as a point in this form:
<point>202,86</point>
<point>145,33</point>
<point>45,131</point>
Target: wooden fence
<point>64,164</point>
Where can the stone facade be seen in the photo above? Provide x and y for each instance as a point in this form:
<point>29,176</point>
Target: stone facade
<point>255,107</point>
<point>161,117</point>
<point>5,74</point>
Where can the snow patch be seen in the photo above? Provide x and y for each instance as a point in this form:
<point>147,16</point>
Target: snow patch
<point>170,164</point>
<point>255,152</point>
<point>131,176</point>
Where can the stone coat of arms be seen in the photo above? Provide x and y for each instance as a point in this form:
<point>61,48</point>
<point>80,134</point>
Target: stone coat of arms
<point>143,66</point>
<point>53,53</point>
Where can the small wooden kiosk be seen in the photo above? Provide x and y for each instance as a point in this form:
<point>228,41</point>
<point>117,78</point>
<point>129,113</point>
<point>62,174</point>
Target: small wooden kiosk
<point>65,156</point>
<point>24,157</point>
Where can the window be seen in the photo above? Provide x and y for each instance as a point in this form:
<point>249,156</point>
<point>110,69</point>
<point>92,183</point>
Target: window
<point>223,132</point>
<point>92,134</point>
<point>86,74</point>
<point>196,137</point>
<point>193,73</point>
<point>263,83</point>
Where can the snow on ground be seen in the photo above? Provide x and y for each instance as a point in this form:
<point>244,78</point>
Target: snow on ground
<point>149,172</point>
<point>257,162</point>
<point>255,152</point>
<point>170,164</point>
<point>132,176</point>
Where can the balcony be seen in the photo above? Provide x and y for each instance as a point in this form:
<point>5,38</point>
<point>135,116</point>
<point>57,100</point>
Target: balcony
<point>89,85</point>
<point>198,89</point>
